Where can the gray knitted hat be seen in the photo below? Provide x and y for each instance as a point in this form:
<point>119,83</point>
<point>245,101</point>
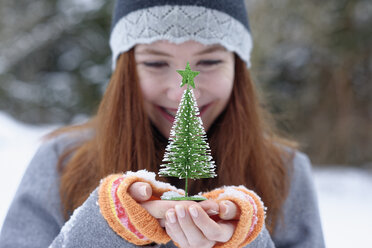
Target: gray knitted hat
<point>206,21</point>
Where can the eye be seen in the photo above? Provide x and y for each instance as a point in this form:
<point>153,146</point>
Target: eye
<point>156,64</point>
<point>209,62</point>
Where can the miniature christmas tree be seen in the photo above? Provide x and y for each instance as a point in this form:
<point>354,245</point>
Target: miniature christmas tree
<point>188,155</point>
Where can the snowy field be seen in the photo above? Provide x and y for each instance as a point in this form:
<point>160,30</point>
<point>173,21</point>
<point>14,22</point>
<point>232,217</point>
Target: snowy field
<point>345,195</point>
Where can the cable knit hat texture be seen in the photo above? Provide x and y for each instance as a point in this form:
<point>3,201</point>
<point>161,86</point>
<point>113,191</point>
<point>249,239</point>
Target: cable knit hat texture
<point>205,21</point>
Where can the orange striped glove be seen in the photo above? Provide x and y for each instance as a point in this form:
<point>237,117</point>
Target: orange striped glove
<point>133,223</point>
<point>252,215</point>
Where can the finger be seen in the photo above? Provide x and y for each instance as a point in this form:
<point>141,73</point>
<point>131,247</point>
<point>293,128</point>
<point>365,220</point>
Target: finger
<point>228,228</point>
<point>210,207</point>
<point>193,234</point>
<point>158,208</point>
<point>210,229</point>
<point>162,222</point>
<point>174,230</point>
<point>140,191</point>
<point>228,210</point>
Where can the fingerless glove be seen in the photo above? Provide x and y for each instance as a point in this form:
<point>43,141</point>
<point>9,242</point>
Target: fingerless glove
<point>252,213</point>
<point>124,215</point>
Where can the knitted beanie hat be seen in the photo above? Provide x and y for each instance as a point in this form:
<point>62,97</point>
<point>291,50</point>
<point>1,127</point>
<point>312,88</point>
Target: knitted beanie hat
<point>205,21</point>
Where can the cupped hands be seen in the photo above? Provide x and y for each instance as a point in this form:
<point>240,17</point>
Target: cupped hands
<point>189,223</point>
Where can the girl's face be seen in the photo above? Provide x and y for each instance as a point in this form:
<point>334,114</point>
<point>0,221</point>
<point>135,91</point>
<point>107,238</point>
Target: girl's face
<point>160,82</point>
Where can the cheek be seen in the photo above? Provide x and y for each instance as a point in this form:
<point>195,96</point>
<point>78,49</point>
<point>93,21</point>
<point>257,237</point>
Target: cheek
<point>149,87</point>
<point>218,84</point>
<point>153,84</point>
<point>148,91</point>
<point>224,83</point>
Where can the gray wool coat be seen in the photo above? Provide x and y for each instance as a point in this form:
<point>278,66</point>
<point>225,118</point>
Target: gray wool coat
<point>35,218</point>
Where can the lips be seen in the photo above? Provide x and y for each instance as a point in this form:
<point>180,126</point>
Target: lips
<point>170,113</point>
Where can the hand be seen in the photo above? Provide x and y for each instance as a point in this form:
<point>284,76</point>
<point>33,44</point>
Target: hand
<point>141,192</point>
<point>190,230</point>
<point>190,226</point>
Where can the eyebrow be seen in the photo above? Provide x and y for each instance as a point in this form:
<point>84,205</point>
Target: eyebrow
<point>212,49</point>
<point>205,51</point>
<point>154,52</point>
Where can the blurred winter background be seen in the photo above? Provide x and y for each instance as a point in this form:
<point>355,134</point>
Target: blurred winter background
<point>314,58</point>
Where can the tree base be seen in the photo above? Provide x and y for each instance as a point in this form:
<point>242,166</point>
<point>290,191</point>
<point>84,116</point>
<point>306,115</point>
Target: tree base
<point>190,198</point>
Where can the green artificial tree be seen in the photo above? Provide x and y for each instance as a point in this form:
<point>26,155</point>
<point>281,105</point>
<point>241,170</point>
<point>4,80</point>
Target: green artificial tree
<point>187,154</point>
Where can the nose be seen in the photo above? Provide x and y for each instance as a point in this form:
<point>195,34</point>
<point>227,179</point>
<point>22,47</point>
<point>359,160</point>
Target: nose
<point>175,92</point>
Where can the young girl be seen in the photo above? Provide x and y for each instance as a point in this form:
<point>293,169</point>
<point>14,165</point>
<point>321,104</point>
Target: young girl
<point>74,192</point>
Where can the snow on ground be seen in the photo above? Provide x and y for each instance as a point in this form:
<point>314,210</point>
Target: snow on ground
<point>18,143</point>
<point>345,201</point>
<point>345,194</point>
